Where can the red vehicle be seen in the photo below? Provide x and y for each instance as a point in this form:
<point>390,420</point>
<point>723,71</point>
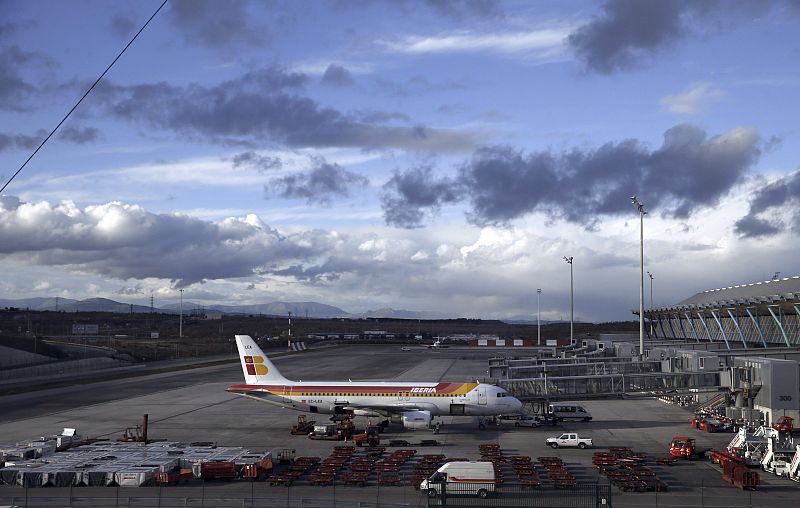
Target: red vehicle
<point>682,448</point>
<point>784,424</point>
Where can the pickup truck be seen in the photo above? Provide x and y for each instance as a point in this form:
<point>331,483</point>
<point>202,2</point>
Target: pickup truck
<point>569,440</point>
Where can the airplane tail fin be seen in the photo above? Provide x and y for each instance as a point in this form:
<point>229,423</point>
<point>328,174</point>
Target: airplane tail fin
<point>256,366</point>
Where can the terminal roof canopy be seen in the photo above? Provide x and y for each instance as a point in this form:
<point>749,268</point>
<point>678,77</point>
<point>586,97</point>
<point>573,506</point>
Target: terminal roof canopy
<point>788,287</point>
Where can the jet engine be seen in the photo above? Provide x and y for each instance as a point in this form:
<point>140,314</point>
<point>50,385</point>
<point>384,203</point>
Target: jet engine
<point>416,420</point>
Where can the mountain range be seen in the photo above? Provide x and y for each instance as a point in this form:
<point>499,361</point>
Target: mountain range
<point>298,309</point>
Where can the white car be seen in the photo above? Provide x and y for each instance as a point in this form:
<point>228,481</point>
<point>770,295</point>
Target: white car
<point>528,421</point>
<point>520,420</point>
<point>405,349</point>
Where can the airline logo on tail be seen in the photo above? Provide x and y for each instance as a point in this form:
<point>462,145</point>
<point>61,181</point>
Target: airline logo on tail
<point>255,365</point>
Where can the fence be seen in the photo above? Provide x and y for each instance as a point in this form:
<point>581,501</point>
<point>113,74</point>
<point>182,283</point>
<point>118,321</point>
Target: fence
<point>516,496</point>
<point>716,494</point>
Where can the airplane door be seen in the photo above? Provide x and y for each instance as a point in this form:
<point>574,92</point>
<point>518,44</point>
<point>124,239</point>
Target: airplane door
<point>482,395</point>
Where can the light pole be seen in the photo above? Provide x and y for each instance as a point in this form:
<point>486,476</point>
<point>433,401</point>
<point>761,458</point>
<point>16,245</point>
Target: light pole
<point>571,302</point>
<point>180,329</point>
<point>538,318</point>
<point>640,207</point>
<point>651,303</point>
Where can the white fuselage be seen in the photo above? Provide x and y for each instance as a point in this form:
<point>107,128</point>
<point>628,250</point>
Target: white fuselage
<point>367,398</point>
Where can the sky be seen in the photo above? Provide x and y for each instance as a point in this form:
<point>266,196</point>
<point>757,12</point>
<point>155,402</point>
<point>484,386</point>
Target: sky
<point>436,155</point>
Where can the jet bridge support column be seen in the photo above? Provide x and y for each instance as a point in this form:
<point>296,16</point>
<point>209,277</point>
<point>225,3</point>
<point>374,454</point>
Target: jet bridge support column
<point>721,329</point>
<point>738,328</point>
<point>778,322</point>
<point>757,325</point>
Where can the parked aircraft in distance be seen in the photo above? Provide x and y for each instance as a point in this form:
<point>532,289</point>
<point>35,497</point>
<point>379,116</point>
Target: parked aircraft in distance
<point>413,405</point>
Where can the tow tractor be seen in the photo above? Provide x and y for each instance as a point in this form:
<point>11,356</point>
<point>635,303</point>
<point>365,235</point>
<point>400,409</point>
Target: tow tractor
<point>784,424</point>
<point>370,437</point>
<point>684,448</point>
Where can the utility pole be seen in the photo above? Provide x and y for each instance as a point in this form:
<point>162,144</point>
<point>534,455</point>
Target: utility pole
<point>538,318</point>
<point>180,329</point>
<point>651,303</point>
<point>571,302</point>
<point>642,212</point>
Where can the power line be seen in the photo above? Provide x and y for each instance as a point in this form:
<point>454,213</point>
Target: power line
<point>83,97</point>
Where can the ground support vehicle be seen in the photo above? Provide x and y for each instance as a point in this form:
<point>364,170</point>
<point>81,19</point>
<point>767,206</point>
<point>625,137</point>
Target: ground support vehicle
<point>461,478</point>
<point>784,424</point>
<point>749,444</point>
<point>734,470</point>
<point>561,412</point>
<point>303,426</point>
<point>684,448</point>
<point>369,437</point>
<point>569,440</point>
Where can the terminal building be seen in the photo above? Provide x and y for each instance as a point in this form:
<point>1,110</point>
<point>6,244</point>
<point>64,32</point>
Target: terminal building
<point>755,315</point>
<point>734,349</point>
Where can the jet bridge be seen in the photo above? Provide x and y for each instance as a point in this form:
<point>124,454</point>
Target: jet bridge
<point>600,386</point>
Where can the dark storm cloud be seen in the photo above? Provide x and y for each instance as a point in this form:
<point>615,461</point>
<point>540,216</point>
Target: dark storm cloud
<point>262,106</point>
<point>262,163</point>
<point>689,171</point>
<point>21,141</point>
<point>336,75</point>
<point>216,23</point>
<point>317,185</point>
<point>408,195</point>
<point>629,31</point>
<point>79,135</point>
<point>782,195</point>
<point>14,88</point>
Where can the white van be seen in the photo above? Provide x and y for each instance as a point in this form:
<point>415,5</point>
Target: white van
<point>569,412</point>
<point>471,478</point>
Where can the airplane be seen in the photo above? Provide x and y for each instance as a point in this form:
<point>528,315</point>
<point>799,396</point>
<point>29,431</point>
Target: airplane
<point>413,405</point>
<point>438,344</point>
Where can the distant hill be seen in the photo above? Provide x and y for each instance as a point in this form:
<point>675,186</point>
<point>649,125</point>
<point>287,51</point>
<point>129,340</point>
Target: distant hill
<point>388,313</point>
<point>298,309</point>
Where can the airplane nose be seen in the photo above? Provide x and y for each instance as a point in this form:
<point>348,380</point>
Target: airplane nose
<point>516,404</point>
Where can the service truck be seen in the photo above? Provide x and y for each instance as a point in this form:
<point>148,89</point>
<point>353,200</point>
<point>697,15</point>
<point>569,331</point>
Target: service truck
<point>565,440</point>
<point>471,478</point>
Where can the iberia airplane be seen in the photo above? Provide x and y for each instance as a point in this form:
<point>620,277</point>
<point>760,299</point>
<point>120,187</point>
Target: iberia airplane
<point>412,404</point>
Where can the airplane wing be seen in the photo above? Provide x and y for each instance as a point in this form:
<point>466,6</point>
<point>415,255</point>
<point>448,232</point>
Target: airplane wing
<point>394,408</point>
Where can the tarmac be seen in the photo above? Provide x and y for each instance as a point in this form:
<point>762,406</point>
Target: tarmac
<point>192,405</point>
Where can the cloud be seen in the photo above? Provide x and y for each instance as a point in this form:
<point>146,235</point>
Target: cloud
<point>79,135</point>
<point>464,8</point>
<point>263,106</point>
<point>336,75</point>
<point>130,290</point>
<point>217,23</point>
<point>408,195</point>
<point>689,171</point>
<point>774,208</point>
<point>262,163</point>
<point>122,26</point>
<point>627,32</point>
<point>125,241</point>
<point>545,42</point>
<point>695,99</point>
<point>21,141</point>
<point>319,184</point>
<point>15,89</point>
